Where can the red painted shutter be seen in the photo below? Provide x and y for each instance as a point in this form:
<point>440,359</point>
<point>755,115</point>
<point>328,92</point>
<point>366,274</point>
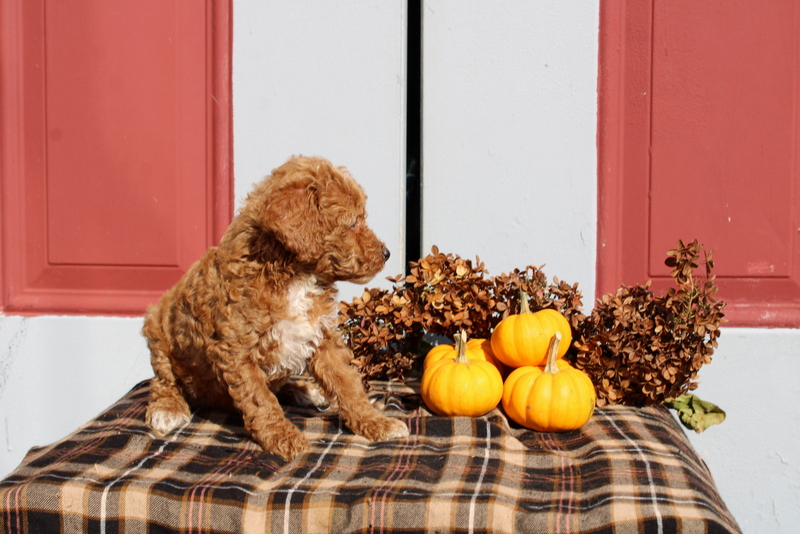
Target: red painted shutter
<point>116,149</point>
<point>698,139</point>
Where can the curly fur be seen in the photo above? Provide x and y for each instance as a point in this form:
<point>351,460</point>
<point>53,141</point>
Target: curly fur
<point>261,307</point>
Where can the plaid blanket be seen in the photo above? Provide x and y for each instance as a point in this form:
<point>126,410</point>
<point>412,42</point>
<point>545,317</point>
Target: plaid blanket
<point>627,470</point>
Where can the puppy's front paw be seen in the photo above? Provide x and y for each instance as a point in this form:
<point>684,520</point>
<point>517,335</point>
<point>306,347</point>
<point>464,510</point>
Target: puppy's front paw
<point>382,428</point>
<point>288,442</point>
<point>165,417</point>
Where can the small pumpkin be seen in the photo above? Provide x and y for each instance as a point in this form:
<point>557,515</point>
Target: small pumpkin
<point>484,347</point>
<point>521,340</point>
<point>461,386</point>
<point>477,349</point>
<point>555,398</point>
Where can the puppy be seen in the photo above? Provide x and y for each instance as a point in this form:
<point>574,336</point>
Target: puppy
<point>261,307</point>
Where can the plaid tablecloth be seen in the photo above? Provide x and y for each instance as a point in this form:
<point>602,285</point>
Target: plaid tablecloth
<point>626,471</point>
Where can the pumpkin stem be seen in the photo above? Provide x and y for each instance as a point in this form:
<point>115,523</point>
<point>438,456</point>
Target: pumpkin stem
<point>524,307</point>
<point>461,347</point>
<point>552,350</point>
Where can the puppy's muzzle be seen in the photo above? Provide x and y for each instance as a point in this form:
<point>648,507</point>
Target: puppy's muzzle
<point>386,254</point>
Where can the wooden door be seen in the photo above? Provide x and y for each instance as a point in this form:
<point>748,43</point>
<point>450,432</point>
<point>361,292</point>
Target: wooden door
<point>115,149</point>
<point>698,139</point>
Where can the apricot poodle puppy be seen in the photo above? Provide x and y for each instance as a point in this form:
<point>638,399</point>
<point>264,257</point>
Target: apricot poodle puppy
<point>261,307</point>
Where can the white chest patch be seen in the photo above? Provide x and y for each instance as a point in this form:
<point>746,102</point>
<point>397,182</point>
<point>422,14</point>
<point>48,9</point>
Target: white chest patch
<point>299,334</point>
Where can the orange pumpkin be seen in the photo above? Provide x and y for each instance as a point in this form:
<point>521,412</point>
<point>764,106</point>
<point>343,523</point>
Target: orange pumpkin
<point>522,340</point>
<point>484,347</point>
<point>477,349</point>
<point>556,398</point>
<point>461,386</point>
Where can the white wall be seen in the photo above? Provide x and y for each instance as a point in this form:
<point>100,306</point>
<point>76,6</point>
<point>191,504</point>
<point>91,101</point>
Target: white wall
<point>754,455</point>
<point>325,79</point>
<point>510,117</point>
<point>56,373</point>
<point>509,129</point>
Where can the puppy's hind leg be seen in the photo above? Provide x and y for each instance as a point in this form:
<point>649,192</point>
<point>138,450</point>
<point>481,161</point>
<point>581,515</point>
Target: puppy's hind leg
<point>341,383</point>
<point>302,393</point>
<point>167,408</point>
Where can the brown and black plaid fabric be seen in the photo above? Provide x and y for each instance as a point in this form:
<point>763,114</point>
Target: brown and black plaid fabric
<point>626,471</point>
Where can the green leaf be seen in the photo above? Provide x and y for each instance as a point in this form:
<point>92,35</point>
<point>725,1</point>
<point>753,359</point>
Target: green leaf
<point>695,413</point>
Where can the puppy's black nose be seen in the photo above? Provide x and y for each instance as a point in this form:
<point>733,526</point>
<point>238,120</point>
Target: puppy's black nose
<point>386,254</point>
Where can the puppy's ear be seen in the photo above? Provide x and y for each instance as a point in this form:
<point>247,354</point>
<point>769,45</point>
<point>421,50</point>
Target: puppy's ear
<point>293,216</point>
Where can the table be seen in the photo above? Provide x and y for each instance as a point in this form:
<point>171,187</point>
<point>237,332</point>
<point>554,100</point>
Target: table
<point>627,470</point>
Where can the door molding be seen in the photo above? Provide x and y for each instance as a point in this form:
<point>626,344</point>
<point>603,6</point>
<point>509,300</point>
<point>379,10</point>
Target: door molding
<point>755,296</point>
<point>31,284</point>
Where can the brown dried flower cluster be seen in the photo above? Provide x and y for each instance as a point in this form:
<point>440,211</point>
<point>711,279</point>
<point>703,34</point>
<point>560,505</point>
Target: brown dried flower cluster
<point>638,348</point>
<point>380,327</point>
<point>442,295</point>
<point>641,349</point>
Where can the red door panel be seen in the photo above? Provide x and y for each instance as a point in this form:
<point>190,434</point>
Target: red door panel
<point>120,149</point>
<point>698,118</point>
<point>112,102</point>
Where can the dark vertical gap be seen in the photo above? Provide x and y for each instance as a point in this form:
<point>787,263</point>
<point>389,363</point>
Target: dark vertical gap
<point>414,134</point>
